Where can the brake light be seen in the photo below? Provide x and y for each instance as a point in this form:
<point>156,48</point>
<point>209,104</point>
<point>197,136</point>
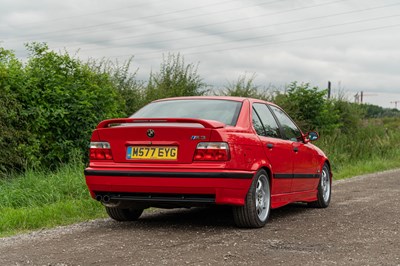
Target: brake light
<point>212,151</point>
<point>100,151</point>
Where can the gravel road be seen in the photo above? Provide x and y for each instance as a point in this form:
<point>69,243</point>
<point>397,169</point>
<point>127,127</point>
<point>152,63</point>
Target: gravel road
<point>361,227</point>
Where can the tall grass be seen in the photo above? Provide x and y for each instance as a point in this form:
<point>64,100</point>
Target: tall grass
<point>41,199</point>
<point>371,147</point>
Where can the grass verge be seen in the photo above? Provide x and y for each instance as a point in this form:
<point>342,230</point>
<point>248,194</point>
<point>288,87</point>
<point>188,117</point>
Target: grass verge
<point>40,199</point>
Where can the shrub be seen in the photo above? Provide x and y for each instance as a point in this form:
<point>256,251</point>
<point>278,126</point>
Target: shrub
<point>174,79</point>
<point>63,100</point>
<point>244,87</point>
<point>13,130</point>
<point>124,81</point>
<point>309,107</point>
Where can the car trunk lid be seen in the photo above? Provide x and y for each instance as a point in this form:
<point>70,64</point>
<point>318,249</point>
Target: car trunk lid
<point>166,140</point>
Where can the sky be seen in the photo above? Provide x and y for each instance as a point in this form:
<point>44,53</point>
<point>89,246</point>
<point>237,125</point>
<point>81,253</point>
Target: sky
<point>352,43</point>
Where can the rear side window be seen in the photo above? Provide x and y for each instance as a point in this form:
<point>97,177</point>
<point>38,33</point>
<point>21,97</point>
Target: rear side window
<point>224,111</point>
<point>291,131</point>
<point>264,122</point>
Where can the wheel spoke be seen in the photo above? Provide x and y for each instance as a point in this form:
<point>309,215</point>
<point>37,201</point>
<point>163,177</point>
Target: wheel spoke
<point>262,198</point>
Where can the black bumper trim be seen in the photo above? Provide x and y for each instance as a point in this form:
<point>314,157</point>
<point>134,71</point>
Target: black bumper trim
<point>232,175</point>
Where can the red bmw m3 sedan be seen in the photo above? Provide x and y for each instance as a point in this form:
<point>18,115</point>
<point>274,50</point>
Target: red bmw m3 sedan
<point>199,151</point>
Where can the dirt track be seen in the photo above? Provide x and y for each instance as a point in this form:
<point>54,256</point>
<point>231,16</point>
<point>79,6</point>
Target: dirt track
<point>361,227</point>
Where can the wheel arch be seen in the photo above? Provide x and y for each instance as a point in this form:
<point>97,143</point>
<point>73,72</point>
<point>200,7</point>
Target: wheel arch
<point>269,172</point>
<point>330,168</point>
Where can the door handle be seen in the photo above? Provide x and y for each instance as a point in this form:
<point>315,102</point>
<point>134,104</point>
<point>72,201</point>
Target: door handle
<point>295,149</point>
<point>270,145</point>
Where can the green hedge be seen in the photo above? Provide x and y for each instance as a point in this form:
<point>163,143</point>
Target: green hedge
<point>49,107</point>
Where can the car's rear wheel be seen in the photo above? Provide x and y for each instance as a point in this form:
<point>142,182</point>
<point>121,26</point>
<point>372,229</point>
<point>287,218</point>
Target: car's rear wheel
<point>324,189</point>
<point>124,214</point>
<point>255,212</point>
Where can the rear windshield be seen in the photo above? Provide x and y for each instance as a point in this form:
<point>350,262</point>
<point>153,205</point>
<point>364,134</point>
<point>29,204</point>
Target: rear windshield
<point>224,111</point>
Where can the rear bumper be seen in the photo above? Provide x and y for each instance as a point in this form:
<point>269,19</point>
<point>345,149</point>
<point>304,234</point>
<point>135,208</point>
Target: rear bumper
<point>222,186</point>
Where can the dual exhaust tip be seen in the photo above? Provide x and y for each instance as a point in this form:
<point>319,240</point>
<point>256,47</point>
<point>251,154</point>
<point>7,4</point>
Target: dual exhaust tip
<point>103,198</point>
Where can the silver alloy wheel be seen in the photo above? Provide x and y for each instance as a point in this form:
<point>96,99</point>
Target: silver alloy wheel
<point>325,184</point>
<point>262,197</point>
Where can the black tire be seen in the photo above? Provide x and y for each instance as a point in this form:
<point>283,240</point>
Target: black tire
<point>124,214</point>
<point>255,212</point>
<point>324,189</point>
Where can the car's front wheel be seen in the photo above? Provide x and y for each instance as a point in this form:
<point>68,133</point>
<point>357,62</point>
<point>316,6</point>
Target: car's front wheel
<point>124,214</point>
<point>255,212</point>
<point>324,189</point>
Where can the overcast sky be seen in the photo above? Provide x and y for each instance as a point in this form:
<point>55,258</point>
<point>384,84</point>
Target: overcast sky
<point>353,43</point>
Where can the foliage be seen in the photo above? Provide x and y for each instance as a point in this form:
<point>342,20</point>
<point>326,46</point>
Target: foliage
<point>13,130</point>
<point>49,107</point>
<point>65,100</point>
<point>244,87</point>
<point>174,79</point>
<point>125,83</point>
<point>309,107</point>
<point>38,199</point>
<point>374,111</point>
<point>350,115</point>
<point>374,140</point>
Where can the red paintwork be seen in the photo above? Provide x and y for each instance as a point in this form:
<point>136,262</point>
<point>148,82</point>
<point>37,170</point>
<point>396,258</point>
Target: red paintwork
<point>248,154</point>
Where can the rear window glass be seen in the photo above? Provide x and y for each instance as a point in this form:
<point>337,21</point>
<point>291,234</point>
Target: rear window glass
<point>224,111</point>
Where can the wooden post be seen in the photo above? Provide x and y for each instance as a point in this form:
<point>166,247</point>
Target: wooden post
<point>329,89</point>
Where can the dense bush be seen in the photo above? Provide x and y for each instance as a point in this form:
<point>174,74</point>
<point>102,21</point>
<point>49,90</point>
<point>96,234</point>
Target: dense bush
<point>13,129</point>
<point>309,107</point>
<point>50,106</point>
<point>65,99</point>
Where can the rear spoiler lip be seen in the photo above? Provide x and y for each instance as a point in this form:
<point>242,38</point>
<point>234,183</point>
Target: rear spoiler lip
<point>206,123</point>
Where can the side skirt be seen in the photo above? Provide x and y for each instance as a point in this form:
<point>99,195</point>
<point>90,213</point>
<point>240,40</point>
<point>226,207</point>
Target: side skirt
<point>280,200</point>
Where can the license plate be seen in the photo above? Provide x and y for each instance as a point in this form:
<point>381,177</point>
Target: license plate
<point>152,153</point>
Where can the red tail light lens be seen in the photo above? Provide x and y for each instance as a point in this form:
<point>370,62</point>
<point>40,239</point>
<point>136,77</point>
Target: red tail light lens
<point>212,151</point>
<point>100,151</point>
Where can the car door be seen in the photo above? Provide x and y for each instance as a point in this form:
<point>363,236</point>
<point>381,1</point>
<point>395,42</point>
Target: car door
<point>305,164</point>
<point>277,150</point>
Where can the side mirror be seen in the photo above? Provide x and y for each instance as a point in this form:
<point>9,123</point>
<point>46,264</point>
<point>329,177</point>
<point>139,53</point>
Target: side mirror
<point>313,136</point>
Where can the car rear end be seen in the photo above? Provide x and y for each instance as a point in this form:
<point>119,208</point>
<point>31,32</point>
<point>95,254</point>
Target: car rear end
<point>161,158</point>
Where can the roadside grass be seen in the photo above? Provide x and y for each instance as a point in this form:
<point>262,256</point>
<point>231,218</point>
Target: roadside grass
<point>369,148</point>
<point>44,199</point>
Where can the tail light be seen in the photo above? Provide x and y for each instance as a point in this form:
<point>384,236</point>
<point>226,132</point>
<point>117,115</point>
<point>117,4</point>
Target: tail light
<point>212,151</point>
<point>100,151</point>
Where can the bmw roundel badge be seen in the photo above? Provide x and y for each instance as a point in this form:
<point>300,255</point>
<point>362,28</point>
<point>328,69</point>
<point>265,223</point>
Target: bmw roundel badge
<point>150,133</point>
